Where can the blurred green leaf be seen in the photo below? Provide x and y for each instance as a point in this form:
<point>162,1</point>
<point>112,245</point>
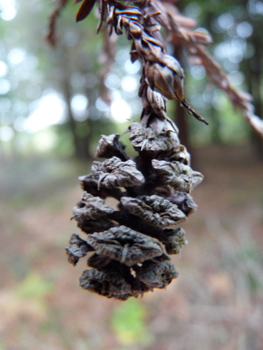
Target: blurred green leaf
<point>34,286</point>
<point>128,323</point>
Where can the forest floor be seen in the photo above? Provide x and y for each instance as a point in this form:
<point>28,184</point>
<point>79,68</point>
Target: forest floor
<point>216,302</point>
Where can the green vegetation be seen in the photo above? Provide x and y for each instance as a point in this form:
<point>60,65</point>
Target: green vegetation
<point>128,323</point>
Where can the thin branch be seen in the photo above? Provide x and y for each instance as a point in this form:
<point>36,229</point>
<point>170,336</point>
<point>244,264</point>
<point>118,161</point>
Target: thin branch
<point>195,42</point>
<point>52,34</point>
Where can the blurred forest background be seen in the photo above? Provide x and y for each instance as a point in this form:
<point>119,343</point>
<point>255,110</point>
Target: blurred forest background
<point>53,108</point>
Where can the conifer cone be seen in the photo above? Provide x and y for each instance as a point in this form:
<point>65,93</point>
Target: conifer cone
<point>131,243</point>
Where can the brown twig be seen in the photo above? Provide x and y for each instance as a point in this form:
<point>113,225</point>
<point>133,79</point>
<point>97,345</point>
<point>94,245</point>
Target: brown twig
<point>52,34</point>
<point>195,43</point>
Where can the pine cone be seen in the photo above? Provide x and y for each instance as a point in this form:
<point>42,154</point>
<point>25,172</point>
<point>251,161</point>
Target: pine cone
<point>131,242</point>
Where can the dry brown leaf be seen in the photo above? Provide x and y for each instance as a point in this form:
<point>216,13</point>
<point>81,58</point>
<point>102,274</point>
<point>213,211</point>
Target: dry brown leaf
<point>85,9</point>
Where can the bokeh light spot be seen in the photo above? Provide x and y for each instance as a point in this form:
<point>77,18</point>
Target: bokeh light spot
<point>6,133</point>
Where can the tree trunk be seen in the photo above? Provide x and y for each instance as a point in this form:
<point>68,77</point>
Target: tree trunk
<point>81,140</point>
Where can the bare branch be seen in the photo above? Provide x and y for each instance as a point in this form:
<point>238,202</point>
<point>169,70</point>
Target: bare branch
<point>195,43</point>
<point>52,34</point>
